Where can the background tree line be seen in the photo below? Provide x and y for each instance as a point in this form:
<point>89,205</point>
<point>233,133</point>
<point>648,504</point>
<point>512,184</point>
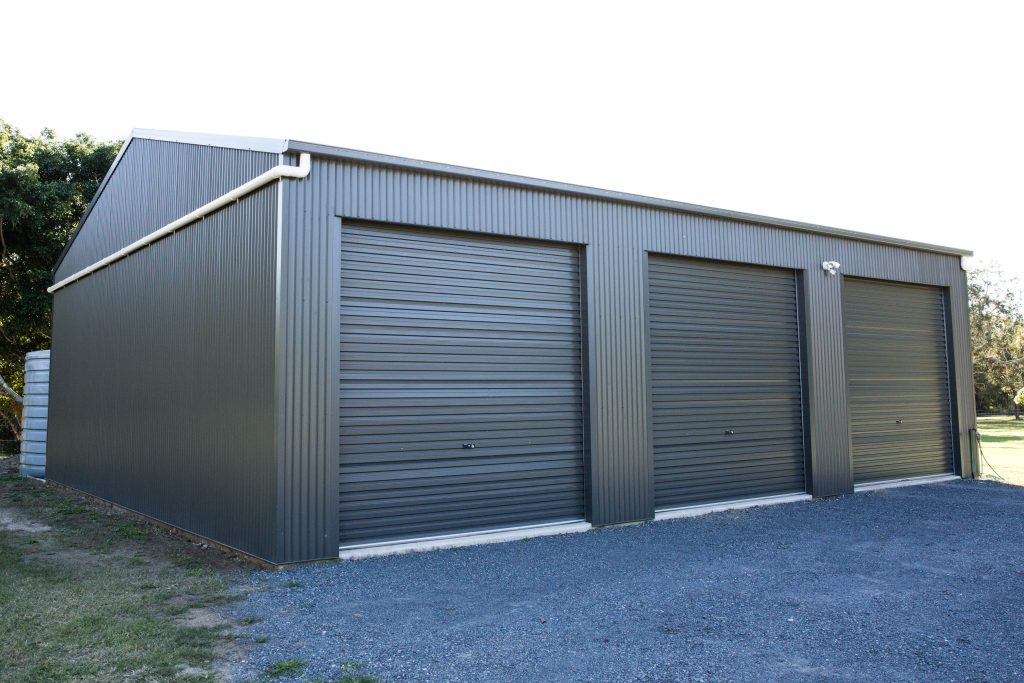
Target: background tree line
<point>997,339</point>
<point>46,184</point>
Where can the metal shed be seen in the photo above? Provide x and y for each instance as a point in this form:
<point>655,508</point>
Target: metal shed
<point>291,348</point>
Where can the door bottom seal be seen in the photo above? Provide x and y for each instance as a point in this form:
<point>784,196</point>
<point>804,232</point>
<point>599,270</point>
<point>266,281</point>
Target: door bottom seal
<point>708,508</point>
<point>459,540</point>
<point>905,481</point>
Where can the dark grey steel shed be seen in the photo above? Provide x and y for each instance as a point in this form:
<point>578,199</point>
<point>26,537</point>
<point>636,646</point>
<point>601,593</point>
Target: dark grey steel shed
<point>290,348</point>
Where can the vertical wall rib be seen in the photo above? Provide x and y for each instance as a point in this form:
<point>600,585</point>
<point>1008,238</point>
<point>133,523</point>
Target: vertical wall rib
<point>307,368</point>
<point>620,455</point>
<point>962,370</point>
<point>831,469</point>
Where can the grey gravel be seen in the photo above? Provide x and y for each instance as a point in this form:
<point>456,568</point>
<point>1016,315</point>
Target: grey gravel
<point>923,583</point>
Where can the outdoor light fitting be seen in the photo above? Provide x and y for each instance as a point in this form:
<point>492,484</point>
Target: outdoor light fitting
<point>830,267</point>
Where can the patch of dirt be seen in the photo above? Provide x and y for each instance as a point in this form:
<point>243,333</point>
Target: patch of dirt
<point>76,558</point>
<point>192,672</point>
<point>247,588</point>
<point>202,617</point>
<point>227,653</point>
<point>12,520</point>
<point>226,657</point>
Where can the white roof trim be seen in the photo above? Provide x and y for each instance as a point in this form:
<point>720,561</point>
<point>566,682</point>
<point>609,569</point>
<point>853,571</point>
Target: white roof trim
<point>272,145</point>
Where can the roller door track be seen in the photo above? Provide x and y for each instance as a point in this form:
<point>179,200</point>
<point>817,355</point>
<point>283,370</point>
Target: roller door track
<point>461,391</point>
<point>726,385</point>
<point>897,380</point>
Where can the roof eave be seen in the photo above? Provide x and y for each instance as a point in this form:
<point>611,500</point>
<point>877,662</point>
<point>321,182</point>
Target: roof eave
<point>280,146</point>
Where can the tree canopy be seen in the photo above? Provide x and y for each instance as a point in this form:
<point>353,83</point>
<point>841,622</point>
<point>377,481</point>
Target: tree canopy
<point>997,337</point>
<point>46,184</point>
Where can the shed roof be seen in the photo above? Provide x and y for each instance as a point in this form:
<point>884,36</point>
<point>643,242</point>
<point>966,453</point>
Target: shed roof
<point>281,146</point>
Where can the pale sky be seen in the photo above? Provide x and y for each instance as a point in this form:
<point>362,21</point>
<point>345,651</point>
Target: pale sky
<point>899,117</point>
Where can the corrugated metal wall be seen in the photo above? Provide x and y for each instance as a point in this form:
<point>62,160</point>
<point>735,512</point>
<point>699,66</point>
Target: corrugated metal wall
<point>616,238</point>
<point>307,368</point>
<point>162,379</point>
<point>172,178</point>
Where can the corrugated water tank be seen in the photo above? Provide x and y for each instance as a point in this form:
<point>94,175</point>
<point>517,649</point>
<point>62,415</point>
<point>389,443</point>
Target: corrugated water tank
<point>33,428</point>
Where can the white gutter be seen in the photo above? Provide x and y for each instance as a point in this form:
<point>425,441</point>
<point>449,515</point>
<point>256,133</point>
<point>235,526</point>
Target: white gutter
<point>281,171</point>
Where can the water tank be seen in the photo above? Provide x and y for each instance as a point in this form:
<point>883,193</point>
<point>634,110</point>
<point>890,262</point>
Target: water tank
<point>33,416</point>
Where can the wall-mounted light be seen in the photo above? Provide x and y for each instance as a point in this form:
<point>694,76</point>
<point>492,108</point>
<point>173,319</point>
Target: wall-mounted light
<point>830,267</point>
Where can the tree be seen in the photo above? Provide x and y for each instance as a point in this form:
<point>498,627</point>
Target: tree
<point>997,337</point>
<point>45,186</point>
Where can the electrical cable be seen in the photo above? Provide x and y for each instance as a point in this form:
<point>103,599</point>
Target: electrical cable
<point>981,452</point>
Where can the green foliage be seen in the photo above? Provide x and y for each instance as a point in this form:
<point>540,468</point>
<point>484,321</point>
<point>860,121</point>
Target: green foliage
<point>1019,398</point>
<point>45,186</point>
<point>997,337</point>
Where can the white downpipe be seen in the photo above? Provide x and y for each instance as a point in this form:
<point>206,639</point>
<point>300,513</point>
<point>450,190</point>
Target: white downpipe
<point>282,171</point>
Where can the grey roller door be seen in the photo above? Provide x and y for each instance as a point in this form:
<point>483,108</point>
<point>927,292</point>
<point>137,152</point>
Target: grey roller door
<point>897,380</point>
<point>726,384</point>
<point>450,340</point>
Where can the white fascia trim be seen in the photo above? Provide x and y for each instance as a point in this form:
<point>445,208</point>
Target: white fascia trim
<point>359,552</point>
<point>252,144</point>
<point>707,508</point>
<point>906,481</point>
<point>280,171</point>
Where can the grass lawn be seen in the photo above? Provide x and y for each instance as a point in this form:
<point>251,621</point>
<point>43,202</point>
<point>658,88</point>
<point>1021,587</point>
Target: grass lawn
<point>89,594</point>
<point>1002,441</point>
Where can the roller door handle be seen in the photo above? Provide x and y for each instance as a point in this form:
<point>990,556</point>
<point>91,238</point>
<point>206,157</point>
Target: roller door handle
<point>899,421</point>
<point>730,432</point>
<point>469,446</point>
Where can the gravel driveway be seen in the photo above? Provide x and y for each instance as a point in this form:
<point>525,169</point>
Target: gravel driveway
<point>913,584</point>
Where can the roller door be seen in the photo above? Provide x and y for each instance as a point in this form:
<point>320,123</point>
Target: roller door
<point>726,384</point>
<point>461,391</point>
<point>897,380</point>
